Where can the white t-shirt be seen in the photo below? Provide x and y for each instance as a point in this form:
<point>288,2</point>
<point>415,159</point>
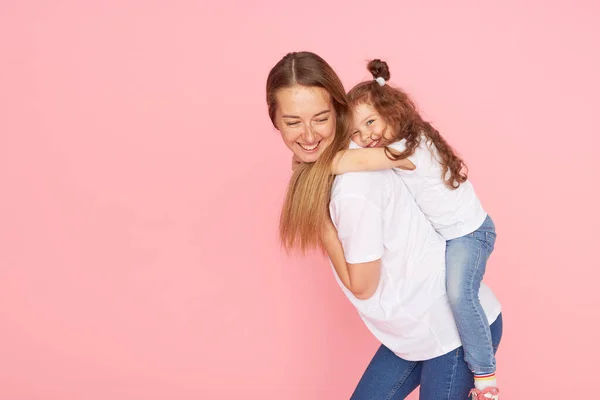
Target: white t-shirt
<point>377,218</point>
<point>453,213</point>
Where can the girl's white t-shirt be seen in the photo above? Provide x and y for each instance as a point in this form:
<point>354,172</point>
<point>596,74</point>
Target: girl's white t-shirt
<point>452,212</point>
<point>377,218</point>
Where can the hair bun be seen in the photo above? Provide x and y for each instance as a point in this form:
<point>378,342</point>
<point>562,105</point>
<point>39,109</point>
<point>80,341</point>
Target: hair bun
<point>379,69</point>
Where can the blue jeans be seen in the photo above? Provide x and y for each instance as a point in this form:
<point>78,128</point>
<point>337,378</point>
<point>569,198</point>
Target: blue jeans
<point>466,259</point>
<point>447,377</point>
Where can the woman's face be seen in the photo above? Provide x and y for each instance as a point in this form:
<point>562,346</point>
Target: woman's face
<point>306,119</point>
<point>369,129</point>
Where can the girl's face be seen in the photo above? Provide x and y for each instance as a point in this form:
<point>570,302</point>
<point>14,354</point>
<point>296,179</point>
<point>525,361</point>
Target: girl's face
<point>306,119</point>
<point>369,129</point>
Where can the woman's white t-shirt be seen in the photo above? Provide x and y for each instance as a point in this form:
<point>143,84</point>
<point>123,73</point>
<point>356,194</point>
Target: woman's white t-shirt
<point>452,212</point>
<point>377,218</point>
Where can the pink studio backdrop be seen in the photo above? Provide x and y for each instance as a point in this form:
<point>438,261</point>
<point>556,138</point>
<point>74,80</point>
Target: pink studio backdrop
<point>141,181</point>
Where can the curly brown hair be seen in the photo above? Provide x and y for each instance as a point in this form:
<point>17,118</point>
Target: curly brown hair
<point>398,110</point>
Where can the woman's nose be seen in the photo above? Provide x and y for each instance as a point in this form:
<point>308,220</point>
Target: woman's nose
<point>309,135</point>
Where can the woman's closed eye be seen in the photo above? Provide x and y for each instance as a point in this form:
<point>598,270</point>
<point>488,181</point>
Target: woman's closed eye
<point>292,123</point>
<point>323,120</point>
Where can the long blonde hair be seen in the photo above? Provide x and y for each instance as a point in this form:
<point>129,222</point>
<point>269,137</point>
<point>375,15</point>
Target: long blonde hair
<point>306,205</point>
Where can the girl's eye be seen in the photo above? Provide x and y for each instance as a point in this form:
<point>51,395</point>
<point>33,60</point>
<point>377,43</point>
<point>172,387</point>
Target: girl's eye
<point>369,122</point>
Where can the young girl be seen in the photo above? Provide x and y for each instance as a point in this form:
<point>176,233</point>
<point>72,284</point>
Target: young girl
<point>387,124</point>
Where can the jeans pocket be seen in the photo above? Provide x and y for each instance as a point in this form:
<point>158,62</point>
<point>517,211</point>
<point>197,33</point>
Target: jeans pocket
<point>486,239</point>
<point>490,238</point>
<point>479,235</point>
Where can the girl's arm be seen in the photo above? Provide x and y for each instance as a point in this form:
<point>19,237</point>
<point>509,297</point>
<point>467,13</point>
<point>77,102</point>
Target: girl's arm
<point>375,159</point>
<point>361,279</point>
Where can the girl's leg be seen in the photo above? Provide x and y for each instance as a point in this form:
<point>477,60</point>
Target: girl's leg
<point>448,377</point>
<point>388,377</point>
<point>466,259</point>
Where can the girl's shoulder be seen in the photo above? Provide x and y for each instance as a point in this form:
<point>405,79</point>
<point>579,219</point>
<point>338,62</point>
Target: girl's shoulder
<point>400,145</point>
<point>423,148</point>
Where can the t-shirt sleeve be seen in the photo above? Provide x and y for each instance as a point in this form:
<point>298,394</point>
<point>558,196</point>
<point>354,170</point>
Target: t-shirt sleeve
<point>400,146</point>
<point>359,223</point>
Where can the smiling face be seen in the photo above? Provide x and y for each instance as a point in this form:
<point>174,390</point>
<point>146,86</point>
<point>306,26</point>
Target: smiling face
<point>306,119</point>
<point>369,129</point>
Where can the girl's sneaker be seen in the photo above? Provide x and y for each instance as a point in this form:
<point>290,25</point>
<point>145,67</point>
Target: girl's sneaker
<point>490,393</point>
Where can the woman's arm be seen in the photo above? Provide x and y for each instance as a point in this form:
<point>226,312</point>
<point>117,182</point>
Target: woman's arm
<point>361,279</point>
<point>375,159</point>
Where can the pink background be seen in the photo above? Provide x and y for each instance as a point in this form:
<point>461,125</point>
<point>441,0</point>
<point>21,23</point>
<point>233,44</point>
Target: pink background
<point>141,181</point>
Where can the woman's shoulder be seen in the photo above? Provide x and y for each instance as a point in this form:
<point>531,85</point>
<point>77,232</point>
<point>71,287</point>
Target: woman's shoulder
<point>370,185</point>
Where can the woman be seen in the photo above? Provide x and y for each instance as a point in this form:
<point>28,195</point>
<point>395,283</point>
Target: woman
<point>387,257</point>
